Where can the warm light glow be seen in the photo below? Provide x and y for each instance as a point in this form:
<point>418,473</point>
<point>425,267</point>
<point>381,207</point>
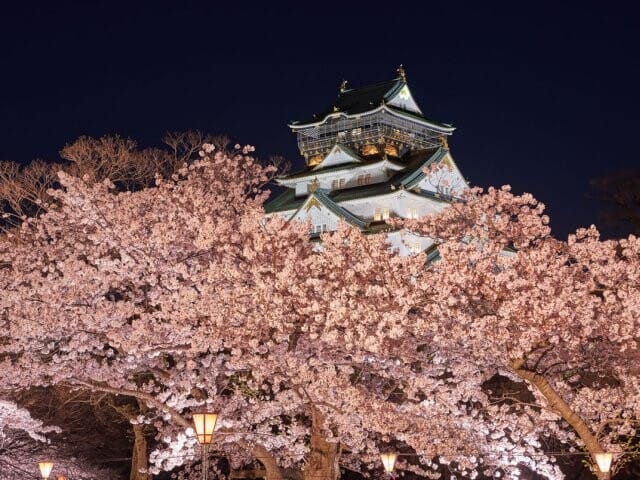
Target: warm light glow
<point>389,461</point>
<point>205,424</point>
<point>62,477</point>
<point>369,150</point>
<point>604,461</point>
<point>391,150</point>
<point>45,469</point>
<point>315,160</point>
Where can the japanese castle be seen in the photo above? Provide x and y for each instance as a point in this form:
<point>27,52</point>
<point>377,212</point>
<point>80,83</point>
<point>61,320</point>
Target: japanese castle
<point>368,159</point>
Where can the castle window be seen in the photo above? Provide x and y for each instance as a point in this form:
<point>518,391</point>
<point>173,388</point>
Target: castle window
<point>337,183</point>
<point>381,214</point>
<point>364,179</point>
<point>412,212</point>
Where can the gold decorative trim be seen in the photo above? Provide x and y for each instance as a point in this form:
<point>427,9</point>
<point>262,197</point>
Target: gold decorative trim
<point>313,202</point>
<point>314,185</point>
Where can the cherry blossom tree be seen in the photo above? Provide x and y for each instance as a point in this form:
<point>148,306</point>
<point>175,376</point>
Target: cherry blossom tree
<point>183,296</point>
<point>562,317</point>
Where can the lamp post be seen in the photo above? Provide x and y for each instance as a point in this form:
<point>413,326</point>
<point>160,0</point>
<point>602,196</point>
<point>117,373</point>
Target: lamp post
<point>45,469</point>
<point>604,459</point>
<point>389,461</point>
<point>205,424</point>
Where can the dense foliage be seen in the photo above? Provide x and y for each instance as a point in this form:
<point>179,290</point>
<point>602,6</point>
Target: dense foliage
<point>183,296</point>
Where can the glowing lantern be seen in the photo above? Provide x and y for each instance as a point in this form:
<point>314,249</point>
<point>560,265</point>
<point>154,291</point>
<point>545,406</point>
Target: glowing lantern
<point>603,460</point>
<point>205,424</point>
<point>388,460</point>
<point>45,469</point>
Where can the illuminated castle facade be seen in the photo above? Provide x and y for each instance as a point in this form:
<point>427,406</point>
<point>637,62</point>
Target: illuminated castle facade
<point>369,157</point>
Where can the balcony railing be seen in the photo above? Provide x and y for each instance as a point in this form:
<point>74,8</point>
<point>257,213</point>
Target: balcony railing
<point>375,128</point>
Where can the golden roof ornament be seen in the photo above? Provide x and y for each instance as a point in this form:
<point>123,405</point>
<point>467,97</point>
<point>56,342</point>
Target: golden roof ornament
<point>343,86</point>
<point>402,73</point>
<point>314,185</point>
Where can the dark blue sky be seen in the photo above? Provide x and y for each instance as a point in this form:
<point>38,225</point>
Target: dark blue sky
<point>544,95</point>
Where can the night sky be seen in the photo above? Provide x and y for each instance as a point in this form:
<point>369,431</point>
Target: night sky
<point>544,95</point>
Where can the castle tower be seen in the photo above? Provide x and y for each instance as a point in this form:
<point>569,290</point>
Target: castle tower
<point>368,158</point>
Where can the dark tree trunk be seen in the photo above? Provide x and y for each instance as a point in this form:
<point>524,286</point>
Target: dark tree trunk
<point>323,462</point>
<point>139,459</point>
